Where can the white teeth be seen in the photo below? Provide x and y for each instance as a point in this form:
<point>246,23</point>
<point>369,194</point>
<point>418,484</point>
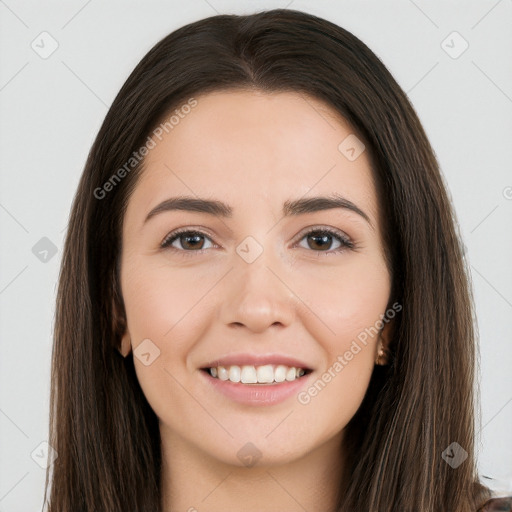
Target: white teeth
<point>248,375</point>
<point>280,373</point>
<point>234,374</point>
<point>265,374</point>
<point>222,373</point>
<point>291,374</point>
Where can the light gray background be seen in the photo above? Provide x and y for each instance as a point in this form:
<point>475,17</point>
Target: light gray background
<point>52,108</point>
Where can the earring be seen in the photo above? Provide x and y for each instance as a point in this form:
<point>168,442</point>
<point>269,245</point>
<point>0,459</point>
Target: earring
<point>382,358</point>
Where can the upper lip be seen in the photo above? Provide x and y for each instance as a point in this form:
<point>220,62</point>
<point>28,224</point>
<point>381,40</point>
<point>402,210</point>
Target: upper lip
<point>256,360</point>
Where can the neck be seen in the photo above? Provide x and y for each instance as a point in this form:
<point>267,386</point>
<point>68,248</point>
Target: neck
<point>193,481</point>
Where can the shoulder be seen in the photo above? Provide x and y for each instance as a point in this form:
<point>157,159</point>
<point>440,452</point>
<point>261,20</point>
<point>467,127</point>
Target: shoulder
<point>503,504</point>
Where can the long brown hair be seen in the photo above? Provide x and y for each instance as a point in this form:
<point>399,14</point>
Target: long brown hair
<point>105,433</point>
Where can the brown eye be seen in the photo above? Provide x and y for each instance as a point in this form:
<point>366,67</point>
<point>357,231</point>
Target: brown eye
<point>320,240</point>
<point>189,240</point>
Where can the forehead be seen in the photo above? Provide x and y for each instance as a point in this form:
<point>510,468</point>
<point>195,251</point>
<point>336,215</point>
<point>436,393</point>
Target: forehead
<point>253,146</point>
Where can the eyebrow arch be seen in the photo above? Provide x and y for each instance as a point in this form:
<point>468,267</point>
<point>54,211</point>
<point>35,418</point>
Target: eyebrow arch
<point>290,208</point>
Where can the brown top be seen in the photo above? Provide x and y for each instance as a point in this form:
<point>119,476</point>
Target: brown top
<point>503,504</point>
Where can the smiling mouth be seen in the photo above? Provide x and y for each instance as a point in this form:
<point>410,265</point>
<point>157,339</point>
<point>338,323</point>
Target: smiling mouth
<point>268,374</point>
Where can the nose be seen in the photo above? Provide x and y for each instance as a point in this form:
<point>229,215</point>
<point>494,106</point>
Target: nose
<point>257,297</point>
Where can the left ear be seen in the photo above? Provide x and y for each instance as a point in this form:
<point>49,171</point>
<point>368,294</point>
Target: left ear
<point>386,334</point>
<point>384,342</point>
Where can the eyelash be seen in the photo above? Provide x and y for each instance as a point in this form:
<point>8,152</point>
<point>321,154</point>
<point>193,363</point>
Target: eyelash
<point>346,243</point>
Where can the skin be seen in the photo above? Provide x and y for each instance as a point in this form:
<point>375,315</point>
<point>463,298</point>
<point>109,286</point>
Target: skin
<point>253,151</point>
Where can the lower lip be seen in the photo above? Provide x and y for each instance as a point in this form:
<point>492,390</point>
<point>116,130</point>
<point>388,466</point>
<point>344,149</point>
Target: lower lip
<point>257,394</point>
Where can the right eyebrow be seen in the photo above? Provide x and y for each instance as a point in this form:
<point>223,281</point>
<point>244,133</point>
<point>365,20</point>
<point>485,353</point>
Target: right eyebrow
<point>192,204</point>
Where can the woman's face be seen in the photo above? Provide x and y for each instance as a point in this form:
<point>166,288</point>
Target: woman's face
<point>253,284</point>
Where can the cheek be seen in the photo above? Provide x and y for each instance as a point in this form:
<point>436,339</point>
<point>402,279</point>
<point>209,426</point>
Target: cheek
<point>163,308</point>
<point>160,300</point>
<point>346,299</point>
<point>348,306</point>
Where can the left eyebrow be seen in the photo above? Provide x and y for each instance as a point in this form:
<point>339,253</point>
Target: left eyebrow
<point>319,203</point>
<point>295,207</point>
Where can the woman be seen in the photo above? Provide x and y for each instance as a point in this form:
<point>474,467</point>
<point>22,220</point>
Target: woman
<point>253,372</point>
